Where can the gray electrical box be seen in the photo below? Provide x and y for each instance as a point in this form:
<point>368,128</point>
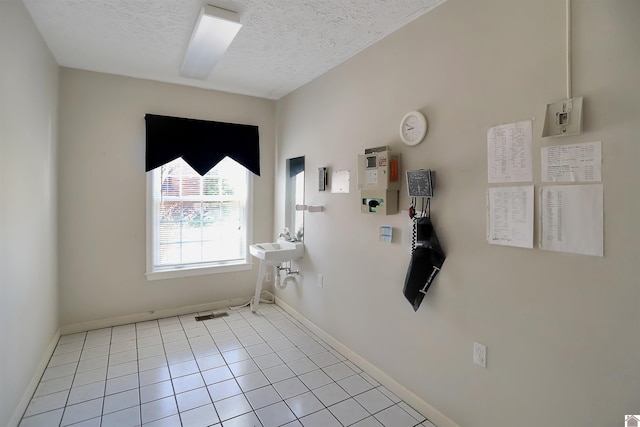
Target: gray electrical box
<point>563,118</point>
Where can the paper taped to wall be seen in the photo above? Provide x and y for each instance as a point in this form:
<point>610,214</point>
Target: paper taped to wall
<point>509,153</point>
<point>510,216</point>
<point>572,163</point>
<point>572,219</point>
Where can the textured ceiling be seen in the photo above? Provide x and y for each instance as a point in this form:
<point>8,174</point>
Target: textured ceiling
<point>282,45</point>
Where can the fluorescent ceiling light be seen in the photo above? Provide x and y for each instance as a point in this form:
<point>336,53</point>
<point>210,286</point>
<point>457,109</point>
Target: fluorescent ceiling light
<point>212,35</point>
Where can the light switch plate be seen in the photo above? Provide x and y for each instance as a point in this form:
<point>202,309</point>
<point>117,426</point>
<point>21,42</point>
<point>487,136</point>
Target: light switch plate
<point>563,118</point>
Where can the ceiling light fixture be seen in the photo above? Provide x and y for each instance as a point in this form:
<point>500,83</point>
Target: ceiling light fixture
<point>214,31</point>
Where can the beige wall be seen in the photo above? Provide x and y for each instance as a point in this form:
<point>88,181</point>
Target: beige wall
<point>28,285</point>
<point>102,247</point>
<point>562,341</point>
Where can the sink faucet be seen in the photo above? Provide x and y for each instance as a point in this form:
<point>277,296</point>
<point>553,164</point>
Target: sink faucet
<point>286,235</point>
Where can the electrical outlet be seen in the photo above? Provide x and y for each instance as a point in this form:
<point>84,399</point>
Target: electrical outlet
<point>267,277</point>
<point>480,354</point>
<point>320,281</point>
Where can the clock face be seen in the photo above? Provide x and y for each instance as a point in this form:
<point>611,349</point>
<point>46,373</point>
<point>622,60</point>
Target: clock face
<point>413,128</point>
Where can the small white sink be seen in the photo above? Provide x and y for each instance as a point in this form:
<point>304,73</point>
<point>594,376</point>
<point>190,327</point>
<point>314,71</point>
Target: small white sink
<point>277,252</point>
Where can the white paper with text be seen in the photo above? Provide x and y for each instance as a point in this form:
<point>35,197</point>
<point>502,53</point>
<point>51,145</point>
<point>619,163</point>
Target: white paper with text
<point>572,163</point>
<point>509,153</point>
<point>572,219</point>
<point>510,221</point>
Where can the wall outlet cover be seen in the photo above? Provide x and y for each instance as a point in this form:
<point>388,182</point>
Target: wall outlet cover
<point>480,354</point>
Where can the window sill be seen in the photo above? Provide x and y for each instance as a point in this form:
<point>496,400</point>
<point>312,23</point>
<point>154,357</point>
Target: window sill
<point>198,271</point>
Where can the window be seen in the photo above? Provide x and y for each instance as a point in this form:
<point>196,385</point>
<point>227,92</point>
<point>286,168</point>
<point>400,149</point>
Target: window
<point>197,224</point>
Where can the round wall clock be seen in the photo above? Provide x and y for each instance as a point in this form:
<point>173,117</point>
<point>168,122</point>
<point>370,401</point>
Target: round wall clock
<point>413,128</point>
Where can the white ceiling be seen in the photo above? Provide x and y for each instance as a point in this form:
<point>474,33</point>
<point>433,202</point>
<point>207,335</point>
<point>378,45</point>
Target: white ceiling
<point>282,45</point>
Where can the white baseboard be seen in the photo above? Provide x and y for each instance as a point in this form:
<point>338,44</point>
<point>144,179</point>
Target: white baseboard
<point>150,315</point>
<point>35,380</point>
<point>431,413</point>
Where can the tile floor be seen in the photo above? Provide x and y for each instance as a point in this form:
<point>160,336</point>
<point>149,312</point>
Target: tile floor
<point>246,369</point>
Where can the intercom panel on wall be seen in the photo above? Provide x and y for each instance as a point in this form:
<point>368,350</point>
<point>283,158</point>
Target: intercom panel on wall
<point>379,170</point>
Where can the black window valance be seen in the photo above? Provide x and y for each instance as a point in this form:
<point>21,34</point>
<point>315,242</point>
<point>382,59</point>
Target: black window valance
<point>201,143</point>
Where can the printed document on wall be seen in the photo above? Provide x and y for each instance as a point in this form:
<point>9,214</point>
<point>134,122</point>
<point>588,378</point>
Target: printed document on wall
<point>572,219</point>
<point>509,153</point>
<point>572,163</point>
<point>510,211</point>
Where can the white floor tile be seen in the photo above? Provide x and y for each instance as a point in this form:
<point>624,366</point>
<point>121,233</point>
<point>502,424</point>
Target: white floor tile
<point>338,371</point>
<point>324,359</point>
<point>275,415</point>
<point>88,377</point>
<point>117,347</point>
<point>224,389</point>
<point>304,404</point>
<point>123,357</point>
<point>262,397</point>
<point>302,366</point>
<point>268,361</point>
<point>232,407</point>
<point>289,388</point>
<point>259,349</point>
<point>252,381</point>
<point>122,369</point>
<point>93,363</point>
<point>374,401</point>
<point>210,362</point>
<point>156,391</point>
<point>54,386</point>
<point>63,359</point>
<point>80,336</point>
<point>201,416</point>
<point>247,420</point>
<point>129,417</point>
<point>368,422</point>
<point>193,399</point>
<point>234,356</point>
<point>183,368</point>
<point>205,350</point>
<point>90,353</point>
<point>184,355</point>
<point>116,385</point>
<point>46,419</point>
<point>322,418</point>
<point>188,382</point>
<point>152,362</point>
<point>354,385</point>
<point>158,409</point>
<point>331,394</point>
<point>415,414</point>
<point>153,376</point>
<point>68,348</point>
<point>81,412</point>
<point>216,375</point>
<point>86,392</point>
<point>47,403</point>
<point>154,350</point>
<point>395,416</point>
<point>170,421</point>
<point>278,373</point>
<point>120,401</point>
<point>247,369</point>
<point>348,411</point>
<point>315,379</point>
